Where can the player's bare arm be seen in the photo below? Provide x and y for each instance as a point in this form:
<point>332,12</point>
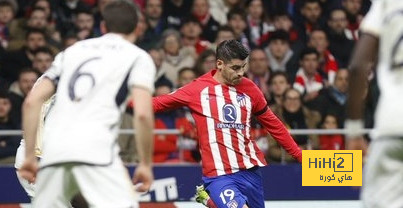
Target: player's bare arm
<point>364,54</point>
<point>42,91</point>
<point>144,124</point>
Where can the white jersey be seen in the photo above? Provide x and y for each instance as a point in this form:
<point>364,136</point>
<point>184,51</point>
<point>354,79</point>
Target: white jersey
<point>93,79</point>
<point>385,21</point>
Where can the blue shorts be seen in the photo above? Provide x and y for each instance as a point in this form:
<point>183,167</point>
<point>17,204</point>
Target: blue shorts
<point>236,190</point>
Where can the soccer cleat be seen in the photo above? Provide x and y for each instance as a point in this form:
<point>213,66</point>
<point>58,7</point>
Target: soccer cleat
<point>201,195</point>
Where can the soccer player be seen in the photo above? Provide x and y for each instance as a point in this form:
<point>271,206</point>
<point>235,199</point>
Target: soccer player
<point>80,152</point>
<point>382,36</point>
<point>222,102</point>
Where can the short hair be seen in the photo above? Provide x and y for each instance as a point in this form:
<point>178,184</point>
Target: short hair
<point>35,30</point>
<point>191,19</point>
<point>28,70</point>
<point>44,50</point>
<point>279,35</point>
<point>305,2</point>
<point>308,51</point>
<point>169,32</point>
<point>84,11</point>
<point>278,74</point>
<point>120,17</point>
<point>231,49</point>
<point>282,14</point>
<point>184,69</point>
<point>4,94</point>
<point>9,3</point>
<point>37,9</point>
<point>236,11</point>
<point>225,28</point>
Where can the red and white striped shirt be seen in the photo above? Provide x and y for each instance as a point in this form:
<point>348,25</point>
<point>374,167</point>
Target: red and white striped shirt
<point>222,114</point>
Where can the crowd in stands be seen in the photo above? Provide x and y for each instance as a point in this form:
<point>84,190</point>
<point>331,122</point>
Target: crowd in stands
<point>299,55</point>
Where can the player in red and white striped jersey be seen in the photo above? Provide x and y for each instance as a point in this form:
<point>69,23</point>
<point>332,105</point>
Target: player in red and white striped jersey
<point>222,102</point>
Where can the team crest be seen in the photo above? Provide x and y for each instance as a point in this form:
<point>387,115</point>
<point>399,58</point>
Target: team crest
<point>241,99</point>
<point>232,204</point>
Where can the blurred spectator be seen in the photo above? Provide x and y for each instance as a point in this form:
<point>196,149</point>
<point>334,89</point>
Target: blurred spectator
<point>200,10</point>
<point>69,39</point>
<point>14,61</point>
<point>280,55</point>
<point>175,10</point>
<point>165,145</point>
<point>175,55</point>
<point>185,123</point>
<point>98,14</point>
<point>220,8</point>
<point>65,12</point>
<point>278,84</point>
<point>223,33</point>
<point>332,100</point>
<point>20,89</point>
<point>295,115</point>
<point>8,144</point>
<point>354,17</point>
<point>191,31</point>
<point>185,76</point>
<point>341,42</point>
<point>205,62</point>
<point>283,21</point>
<point>331,141</point>
<point>156,24</point>
<point>259,71</point>
<point>84,25</point>
<point>7,12</point>
<point>237,21</point>
<point>43,59</point>
<point>311,12</point>
<point>308,81</point>
<point>158,57</point>
<point>141,40</point>
<point>257,23</point>
<point>327,63</point>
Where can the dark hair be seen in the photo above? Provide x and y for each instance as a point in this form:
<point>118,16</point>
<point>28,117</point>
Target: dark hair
<point>37,9</point>
<point>8,3</point>
<point>292,89</point>
<point>120,17</point>
<point>308,51</point>
<point>236,11</point>
<point>163,81</point>
<point>335,10</point>
<point>198,68</point>
<point>279,35</point>
<point>182,70</point>
<point>282,14</point>
<point>28,70</point>
<point>35,30</point>
<point>225,28</point>
<point>305,2</point>
<point>84,11</point>
<point>4,94</point>
<point>44,50</point>
<point>277,74</point>
<point>231,49</point>
<point>191,19</point>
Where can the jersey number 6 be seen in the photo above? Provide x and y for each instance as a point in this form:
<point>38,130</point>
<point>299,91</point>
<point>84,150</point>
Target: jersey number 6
<point>76,75</point>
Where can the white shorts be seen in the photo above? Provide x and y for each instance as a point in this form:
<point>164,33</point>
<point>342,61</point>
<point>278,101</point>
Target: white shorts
<point>19,160</point>
<point>102,186</point>
<point>383,175</point>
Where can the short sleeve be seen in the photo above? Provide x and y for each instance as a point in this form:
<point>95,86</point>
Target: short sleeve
<point>372,22</point>
<point>143,72</point>
<point>55,70</point>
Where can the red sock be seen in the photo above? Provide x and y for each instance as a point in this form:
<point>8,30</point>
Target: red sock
<point>210,204</point>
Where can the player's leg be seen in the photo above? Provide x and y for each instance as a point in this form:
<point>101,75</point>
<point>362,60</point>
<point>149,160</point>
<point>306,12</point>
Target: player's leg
<point>250,183</point>
<point>383,174</point>
<point>106,186</point>
<point>55,187</point>
<point>224,192</point>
